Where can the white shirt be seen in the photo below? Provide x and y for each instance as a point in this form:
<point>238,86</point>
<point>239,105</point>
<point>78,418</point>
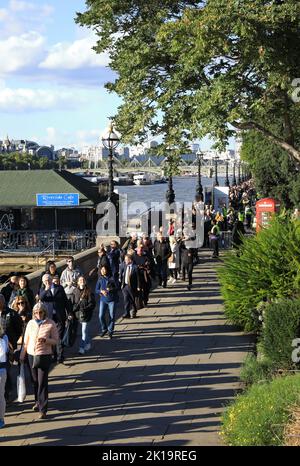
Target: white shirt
<point>128,270</point>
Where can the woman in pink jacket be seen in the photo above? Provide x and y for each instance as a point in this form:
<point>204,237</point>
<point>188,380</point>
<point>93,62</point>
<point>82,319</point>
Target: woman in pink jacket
<point>41,336</point>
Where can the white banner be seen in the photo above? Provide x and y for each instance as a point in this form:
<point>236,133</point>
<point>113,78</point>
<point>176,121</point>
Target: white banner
<point>221,197</point>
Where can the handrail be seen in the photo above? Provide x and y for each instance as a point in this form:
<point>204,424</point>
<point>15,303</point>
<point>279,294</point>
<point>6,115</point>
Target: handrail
<point>51,245</point>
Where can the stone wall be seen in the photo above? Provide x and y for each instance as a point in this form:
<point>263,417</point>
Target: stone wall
<point>84,260</point>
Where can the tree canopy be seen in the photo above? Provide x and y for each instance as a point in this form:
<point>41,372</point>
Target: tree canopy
<point>187,69</point>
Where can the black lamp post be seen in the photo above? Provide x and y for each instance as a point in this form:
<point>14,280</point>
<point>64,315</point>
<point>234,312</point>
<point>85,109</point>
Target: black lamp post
<point>170,194</point>
<point>199,187</point>
<point>239,172</point>
<point>227,179</point>
<point>216,182</point>
<point>110,141</point>
<point>233,177</point>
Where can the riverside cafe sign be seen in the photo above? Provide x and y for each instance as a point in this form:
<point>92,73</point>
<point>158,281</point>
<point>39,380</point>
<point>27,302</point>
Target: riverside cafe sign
<point>57,199</point>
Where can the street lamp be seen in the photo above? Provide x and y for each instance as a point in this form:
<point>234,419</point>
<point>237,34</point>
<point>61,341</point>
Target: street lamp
<point>233,177</point>
<point>199,187</point>
<point>110,141</point>
<point>227,179</point>
<point>216,182</point>
<point>170,194</point>
<point>239,172</point>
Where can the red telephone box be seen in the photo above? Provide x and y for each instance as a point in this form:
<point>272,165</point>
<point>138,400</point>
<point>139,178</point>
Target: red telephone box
<point>265,208</point>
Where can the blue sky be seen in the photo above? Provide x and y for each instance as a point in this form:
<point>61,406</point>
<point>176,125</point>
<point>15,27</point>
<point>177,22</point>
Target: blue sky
<point>51,82</point>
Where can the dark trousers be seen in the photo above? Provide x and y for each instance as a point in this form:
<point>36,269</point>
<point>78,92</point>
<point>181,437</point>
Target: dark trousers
<point>162,271</point>
<point>187,268</point>
<point>59,351</point>
<point>215,246</point>
<point>39,378</point>
<point>174,273</point>
<point>129,300</point>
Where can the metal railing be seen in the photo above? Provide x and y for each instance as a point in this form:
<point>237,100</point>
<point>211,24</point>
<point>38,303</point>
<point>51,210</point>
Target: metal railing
<point>38,241</point>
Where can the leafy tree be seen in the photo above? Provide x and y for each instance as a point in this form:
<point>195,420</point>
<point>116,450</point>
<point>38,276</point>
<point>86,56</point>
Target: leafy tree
<point>276,174</point>
<point>186,69</point>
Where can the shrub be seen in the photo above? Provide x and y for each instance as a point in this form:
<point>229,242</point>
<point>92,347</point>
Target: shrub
<point>281,327</point>
<point>259,416</point>
<point>254,371</point>
<point>267,268</point>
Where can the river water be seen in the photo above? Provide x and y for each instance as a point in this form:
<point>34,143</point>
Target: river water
<point>184,187</point>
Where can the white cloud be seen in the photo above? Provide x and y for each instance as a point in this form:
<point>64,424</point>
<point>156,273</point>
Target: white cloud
<point>20,51</point>
<point>78,54</point>
<point>77,139</point>
<point>20,16</point>
<point>28,100</point>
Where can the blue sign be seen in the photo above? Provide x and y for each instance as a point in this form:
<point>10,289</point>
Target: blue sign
<point>57,199</point>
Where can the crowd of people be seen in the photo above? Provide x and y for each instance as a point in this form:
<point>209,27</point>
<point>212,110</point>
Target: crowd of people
<point>32,327</point>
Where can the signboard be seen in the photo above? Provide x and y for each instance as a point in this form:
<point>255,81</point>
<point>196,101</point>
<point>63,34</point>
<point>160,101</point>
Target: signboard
<point>57,199</point>
<point>221,197</point>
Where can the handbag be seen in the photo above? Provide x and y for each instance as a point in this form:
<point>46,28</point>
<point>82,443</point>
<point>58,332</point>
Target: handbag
<point>42,361</point>
<point>21,384</point>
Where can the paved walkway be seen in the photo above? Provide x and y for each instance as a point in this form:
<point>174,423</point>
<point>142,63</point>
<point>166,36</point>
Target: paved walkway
<point>163,380</point>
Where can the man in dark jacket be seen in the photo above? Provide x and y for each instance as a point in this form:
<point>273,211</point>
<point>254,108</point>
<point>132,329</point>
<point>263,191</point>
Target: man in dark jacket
<point>113,256</point>
<point>130,285</point>
<point>162,252</point>
<point>13,328</point>
<point>58,306</point>
<point>12,285</point>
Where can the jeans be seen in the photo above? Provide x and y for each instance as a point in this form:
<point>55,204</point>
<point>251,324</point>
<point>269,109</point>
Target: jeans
<point>2,390</point>
<point>85,334</point>
<point>111,306</point>
<point>39,378</point>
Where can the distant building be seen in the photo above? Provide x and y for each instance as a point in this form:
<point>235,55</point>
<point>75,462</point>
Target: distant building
<point>26,147</point>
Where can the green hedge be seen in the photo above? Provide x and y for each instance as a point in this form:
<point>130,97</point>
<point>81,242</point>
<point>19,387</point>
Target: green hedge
<point>258,417</point>
<point>254,371</point>
<point>267,268</point>
<point>281,327</point>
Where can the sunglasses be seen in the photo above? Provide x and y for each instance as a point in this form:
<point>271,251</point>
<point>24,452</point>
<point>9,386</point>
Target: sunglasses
<point>20,302</point>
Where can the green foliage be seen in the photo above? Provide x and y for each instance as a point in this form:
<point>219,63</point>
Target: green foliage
<point>267,268</point>
<point>254,371</point>
<point>20,161</point>
<point>275,174</point>
<point>258,417</point>
<point>281,327</point>
<point>185,69</point>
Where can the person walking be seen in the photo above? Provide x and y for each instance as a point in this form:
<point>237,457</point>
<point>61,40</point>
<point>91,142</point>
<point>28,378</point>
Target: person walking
<point>84,304</point>
<point>69,277</point>
<point>58,307</point>
<point>161,253</point>
<point>142,262</point>
<point>13,327</point>
<point>130,285</point>
<point>214,238</point>
<point>23,290</point>
<point>114,255</point>
<point>12,286</point>
<point>174,260</point>
<point>40,336</point>
<point>4,350</point>
<point>107,291</point>
<point>187,265</point>
<point>102,261</point>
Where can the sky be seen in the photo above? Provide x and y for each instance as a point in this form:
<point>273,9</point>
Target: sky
<point>51,81</point>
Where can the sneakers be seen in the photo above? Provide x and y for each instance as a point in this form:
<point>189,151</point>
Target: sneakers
<point>81,351</point>
<point>2,423</point>
<point>110,335</point>
<point>104,333</point>
<point>35,407</point>
<point>87,347</point>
